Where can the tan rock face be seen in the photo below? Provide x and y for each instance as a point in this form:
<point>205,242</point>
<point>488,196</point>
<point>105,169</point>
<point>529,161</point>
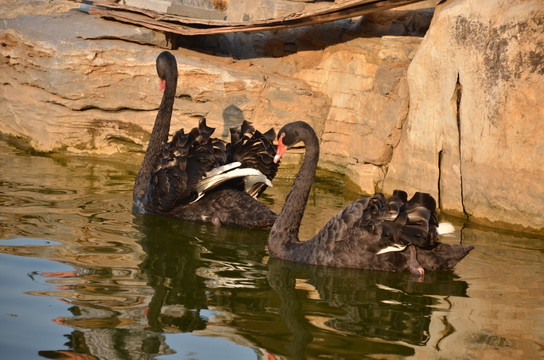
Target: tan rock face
<point>369,103</point>
<point>474,132</point>
<point>79,90</point>
<point>64,93</point>
<point>16,8</point>
<point>457,113</point>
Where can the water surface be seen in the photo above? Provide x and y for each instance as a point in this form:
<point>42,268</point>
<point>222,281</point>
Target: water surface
<point>84,278</point>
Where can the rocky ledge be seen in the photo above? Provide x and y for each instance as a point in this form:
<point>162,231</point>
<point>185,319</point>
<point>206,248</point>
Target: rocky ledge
<point>453,107</point>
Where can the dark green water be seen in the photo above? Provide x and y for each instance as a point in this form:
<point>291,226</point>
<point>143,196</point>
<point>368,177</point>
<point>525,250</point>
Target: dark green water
<point>83,278</point>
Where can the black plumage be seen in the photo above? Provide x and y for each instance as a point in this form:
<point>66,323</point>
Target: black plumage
<point>376,233</point>
<point>197,177</point>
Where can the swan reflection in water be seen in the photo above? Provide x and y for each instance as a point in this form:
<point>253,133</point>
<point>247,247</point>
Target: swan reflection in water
<point>219,282</point>
<point>379,310</point>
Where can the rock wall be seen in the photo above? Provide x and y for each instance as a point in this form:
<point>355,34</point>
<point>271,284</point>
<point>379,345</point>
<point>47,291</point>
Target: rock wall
<point>475,127</point>
<point>457,113</point>
<point>83,90</point>
<point>91,89</point>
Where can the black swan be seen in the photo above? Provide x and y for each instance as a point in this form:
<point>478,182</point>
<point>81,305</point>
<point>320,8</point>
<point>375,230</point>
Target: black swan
<point>371,233</point>
<point>196,177</point>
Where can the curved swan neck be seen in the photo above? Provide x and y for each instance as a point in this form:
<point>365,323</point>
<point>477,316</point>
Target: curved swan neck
<point>159,135</point>
<point>286,227</point>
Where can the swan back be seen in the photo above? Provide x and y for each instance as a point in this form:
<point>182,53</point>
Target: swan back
<point>194,164</point>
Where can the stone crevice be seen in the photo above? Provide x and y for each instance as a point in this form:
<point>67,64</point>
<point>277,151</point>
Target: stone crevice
<point>457,95</point>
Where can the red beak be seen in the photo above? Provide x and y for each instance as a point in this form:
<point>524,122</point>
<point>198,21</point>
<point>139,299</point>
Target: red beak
<point>162,85</point>
<point>281,149</point>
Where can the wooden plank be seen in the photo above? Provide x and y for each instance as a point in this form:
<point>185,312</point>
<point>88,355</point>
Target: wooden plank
<point>193,26</point>
<point>321,9</point>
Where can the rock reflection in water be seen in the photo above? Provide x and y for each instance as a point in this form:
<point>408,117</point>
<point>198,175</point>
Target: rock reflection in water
<point>141,287</point>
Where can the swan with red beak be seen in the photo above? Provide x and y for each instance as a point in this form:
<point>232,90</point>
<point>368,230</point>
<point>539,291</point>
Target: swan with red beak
<point>374,233</point>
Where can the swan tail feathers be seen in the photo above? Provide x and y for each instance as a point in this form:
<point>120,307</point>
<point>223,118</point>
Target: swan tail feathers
<point>191,164</point>
<point>412,222</point>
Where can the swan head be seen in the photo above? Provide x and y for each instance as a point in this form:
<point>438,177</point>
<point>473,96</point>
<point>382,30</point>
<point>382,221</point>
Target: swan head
<point>290,135</point>
<point>167,69</point>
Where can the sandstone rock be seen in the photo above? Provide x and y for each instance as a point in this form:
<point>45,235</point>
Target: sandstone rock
<point>369,103</point>
<point>11,9</point>
<point>470,122</point>
<point>405,22</point>
<point>62,92</point>
<point>398,48</point>
<point>365,177</point>
<point>474,131</point>
<point>246,10</point>
<point>350,88</point>
<point>119,97</point>
<point>201,9</point>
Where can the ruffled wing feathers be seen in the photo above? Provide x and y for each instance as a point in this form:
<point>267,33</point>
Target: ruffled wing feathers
<point>193,164</point>
<point>387,224</point>
<point>253,149</point>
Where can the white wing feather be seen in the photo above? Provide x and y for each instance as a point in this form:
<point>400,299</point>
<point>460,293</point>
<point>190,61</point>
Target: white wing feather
<point>224,173</point>
<point>224,168</point>
<point>391,248</point>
